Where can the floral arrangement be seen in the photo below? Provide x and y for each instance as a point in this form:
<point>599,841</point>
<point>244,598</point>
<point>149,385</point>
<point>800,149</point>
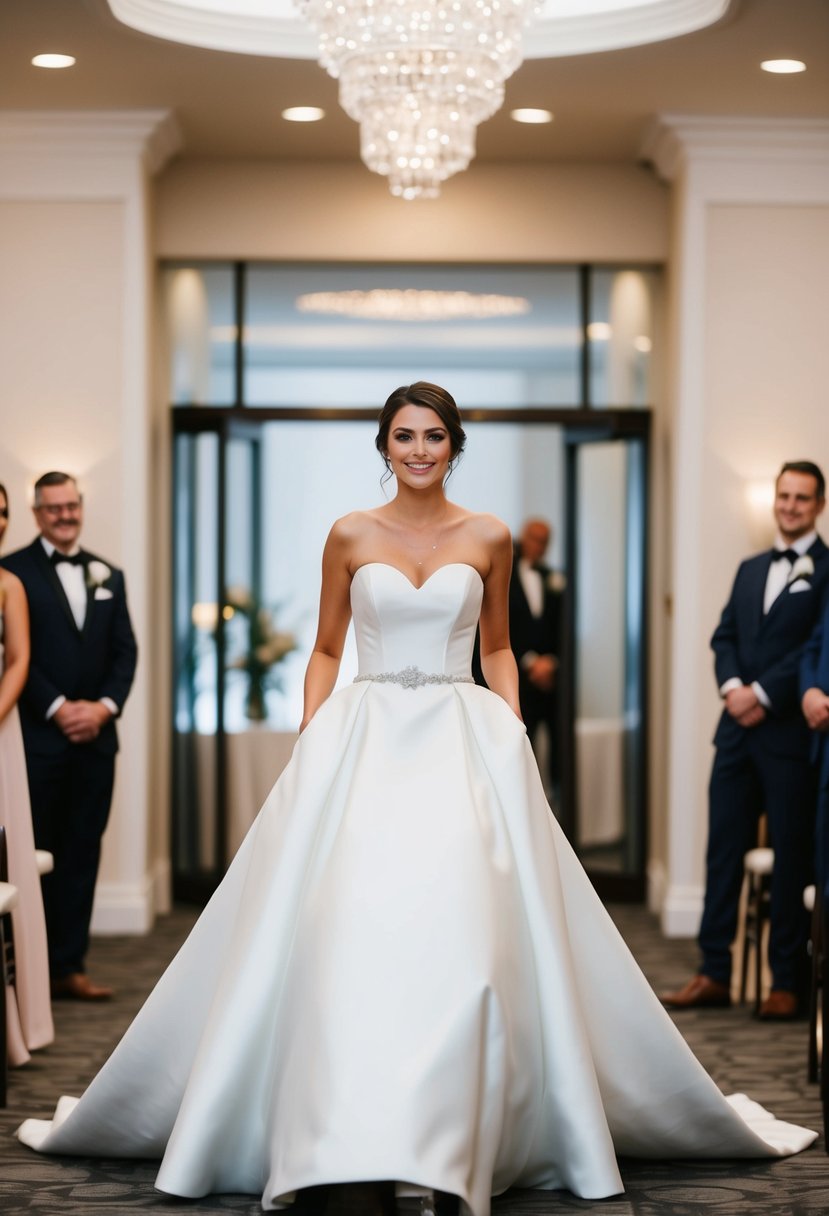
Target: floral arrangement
<point>266,647</point>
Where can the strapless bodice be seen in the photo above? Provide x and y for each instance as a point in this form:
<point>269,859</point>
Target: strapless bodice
<point>398,625</point>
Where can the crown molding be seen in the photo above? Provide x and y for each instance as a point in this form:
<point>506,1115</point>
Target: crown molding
<point>273,27</point>
<point>148,137</point>
<point>672,141</point>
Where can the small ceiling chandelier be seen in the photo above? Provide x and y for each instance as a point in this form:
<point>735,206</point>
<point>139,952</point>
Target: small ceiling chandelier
<point>418,77</point>
<point>412,304</point>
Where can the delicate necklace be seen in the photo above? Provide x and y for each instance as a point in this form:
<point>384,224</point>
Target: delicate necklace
<point>430,545</point>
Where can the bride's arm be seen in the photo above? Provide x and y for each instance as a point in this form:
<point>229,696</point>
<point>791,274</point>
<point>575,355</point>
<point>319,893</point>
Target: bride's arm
<point>16,612</point>
<point>335,613</point>
<point>497,660</point>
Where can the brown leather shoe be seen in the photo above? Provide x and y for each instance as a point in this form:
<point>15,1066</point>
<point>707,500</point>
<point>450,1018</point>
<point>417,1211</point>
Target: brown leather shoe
<point>779,1006</point>
<point>78,987</point>
<point>701,992</point>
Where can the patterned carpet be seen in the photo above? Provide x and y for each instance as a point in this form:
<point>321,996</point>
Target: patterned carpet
<point>768,1062</point>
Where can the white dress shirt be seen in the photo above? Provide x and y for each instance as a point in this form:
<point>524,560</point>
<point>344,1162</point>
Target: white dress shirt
<point>776,580</point>
<point>73,581</point>
<point>533,583</point>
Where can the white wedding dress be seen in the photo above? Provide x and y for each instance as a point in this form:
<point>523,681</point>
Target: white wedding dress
<point>405,973</point>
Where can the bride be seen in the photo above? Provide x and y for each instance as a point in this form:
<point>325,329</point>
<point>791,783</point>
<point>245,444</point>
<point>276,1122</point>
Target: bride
<point>405,975</point>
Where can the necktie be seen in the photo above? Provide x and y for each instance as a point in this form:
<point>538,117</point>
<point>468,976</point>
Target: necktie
<point>74,559</point>
<point>791,555</point>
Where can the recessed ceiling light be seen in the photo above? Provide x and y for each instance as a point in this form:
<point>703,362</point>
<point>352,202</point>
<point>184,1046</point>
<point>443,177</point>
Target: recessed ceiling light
<point>303,114</point>
<point>53,61</point>
<point>783,67</point>
<point>531,115</point>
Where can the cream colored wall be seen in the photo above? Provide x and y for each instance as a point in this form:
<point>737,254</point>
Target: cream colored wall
<point>61,335</point>
<point>748,364</point>
<point>341,212</point>
<point>766,372</point>
<point>62,321</point>
<point>75,358</point>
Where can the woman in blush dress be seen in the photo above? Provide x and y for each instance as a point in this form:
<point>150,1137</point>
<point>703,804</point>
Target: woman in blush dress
<point>406,979</point>
<point>29,1008</point>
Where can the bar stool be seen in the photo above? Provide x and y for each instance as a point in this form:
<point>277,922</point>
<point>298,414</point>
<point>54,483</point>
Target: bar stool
<point>758,866</point>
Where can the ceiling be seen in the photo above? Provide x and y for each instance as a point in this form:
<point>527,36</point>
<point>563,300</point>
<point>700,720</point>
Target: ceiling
<point>229,105</point>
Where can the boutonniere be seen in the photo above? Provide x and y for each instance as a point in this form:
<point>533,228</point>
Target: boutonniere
<point>97,574</point>
<point>556,582</point>
<point>804,567</point>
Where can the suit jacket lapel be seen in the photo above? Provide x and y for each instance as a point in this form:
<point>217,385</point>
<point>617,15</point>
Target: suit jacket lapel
<point>51,575</point>
<point>90,600</point>
<point>758,592</point>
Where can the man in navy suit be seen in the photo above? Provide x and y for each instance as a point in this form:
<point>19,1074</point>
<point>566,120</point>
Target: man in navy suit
<point>535,629</point>
<point>762,741</point>
<point>83,658</point>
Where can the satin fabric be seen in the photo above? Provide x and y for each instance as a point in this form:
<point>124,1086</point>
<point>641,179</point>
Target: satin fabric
<point>406,973</point>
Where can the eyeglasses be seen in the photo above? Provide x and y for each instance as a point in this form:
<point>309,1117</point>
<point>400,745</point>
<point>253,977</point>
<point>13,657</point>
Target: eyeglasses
<point>58,508</point>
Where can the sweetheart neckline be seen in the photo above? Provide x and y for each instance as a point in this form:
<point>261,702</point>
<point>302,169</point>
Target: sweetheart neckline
<point>414,587</point>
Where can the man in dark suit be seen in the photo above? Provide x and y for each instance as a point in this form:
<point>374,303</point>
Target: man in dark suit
<point>762,741</point>
<point>535,625</point>
<point>83,660</point>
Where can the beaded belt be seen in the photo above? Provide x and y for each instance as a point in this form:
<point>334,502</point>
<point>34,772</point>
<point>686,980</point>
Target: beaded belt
<point>413,677</point>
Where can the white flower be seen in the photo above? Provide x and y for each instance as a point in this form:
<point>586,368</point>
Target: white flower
<point>803,568</point>
<point>97,573</point>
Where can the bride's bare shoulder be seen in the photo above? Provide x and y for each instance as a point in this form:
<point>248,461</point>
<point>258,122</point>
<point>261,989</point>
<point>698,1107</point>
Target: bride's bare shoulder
<point>351,531</point>
<point>488,529</point>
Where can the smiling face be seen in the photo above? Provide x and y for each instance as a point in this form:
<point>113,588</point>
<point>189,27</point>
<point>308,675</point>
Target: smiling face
<point>59,515</point>
<point>796,504</point>
<point>419,448</point>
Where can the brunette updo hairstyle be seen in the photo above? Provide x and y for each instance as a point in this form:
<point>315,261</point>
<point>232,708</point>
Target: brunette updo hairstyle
<point>430,397</point>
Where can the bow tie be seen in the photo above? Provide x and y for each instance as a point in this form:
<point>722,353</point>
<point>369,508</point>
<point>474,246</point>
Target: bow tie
<point>791,555</point>
<point>75,559</point>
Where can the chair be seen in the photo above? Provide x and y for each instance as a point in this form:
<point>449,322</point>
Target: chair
<point>758,867</point>
<point>8,901</point>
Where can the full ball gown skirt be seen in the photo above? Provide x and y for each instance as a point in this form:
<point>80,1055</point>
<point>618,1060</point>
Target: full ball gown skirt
<point>405,973</point>
<point>28,1003</point>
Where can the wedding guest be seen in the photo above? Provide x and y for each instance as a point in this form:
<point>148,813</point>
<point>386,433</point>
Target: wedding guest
<point>762,748</point>
<point>536,595</point>
<point>29,1020</point>
<point>82,666</point>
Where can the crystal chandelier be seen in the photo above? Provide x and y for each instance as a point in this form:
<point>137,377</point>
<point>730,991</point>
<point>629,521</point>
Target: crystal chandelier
<point>418,76</point>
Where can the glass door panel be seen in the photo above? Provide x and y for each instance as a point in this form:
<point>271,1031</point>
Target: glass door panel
<point>196,818</point>
<point>607,546</point>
